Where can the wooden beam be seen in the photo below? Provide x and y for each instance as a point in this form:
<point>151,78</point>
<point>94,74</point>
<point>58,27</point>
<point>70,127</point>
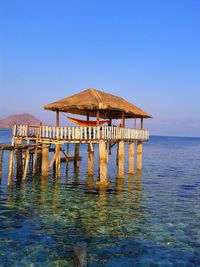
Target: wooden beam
<point>123,119</point>
<point>97,117</point>
<point>57,118</point>
<point>135,123</point>
<point>141,123</point>
<point>88,116</point>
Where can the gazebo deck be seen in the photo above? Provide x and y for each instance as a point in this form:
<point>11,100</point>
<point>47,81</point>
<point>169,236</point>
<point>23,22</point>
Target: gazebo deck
<point>80,134</point>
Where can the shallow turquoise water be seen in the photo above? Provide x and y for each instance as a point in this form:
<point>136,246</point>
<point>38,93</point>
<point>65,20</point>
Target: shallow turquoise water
<point>149,219</point>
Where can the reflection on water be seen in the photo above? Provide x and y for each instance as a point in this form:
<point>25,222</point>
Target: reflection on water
<point>151,218</point>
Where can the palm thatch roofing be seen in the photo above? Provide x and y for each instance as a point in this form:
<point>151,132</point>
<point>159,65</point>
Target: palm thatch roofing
<point>91,100</point>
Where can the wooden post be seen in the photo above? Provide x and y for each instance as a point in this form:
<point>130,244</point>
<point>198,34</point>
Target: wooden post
<point>80,256</point>
<point>88,116</point>
<point>103,160</point>
<point>27,157</point>
<point>1,164</point>
<point>35,157</point>
<point>19,163</point>
<point>39,160</point>
<point>141,123</point>
<point>19,160</point>
<point>76,155</point>
<point>67,159</point>
<point>10,166</point>
<point>120,158</point>
<point>11,162</point>
<point>90,160</point>
<point>57,118</point>
<point>123,119</point>
<point>97,117</point>
<point>135,123</point>
<point>57,151</point>
<point>45,159</point>
<point>139,155</point>
<point>131,158</point>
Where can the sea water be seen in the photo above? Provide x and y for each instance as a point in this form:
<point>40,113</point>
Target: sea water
<point>148,219</point>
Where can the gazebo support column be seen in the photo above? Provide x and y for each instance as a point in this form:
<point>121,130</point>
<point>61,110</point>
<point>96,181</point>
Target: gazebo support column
<point>76,156</point>
<point>139,155</point>
<point>103,161</point>
<point>120,159</point>
<point>45,159</point>
<point>90,160</point>
<point>131,157</point>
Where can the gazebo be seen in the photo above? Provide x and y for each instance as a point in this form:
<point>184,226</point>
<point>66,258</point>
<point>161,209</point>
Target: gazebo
<point>101,105</point>
<point>95,103</point>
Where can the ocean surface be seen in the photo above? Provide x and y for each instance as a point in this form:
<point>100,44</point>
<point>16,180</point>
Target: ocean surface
<point>148,219</point>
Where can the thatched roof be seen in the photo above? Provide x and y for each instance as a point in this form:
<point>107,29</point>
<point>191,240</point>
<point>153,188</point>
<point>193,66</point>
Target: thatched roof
<point>91,100</point>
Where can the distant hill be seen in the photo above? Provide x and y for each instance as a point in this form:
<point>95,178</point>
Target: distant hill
<point>25,118</point>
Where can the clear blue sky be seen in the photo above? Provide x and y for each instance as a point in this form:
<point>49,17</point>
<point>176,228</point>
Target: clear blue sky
<point>145,51</point>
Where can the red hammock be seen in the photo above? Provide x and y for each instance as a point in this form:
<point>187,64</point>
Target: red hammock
<point>87,123</point>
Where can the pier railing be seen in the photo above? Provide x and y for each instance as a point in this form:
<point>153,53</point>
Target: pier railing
<point>70,133</point>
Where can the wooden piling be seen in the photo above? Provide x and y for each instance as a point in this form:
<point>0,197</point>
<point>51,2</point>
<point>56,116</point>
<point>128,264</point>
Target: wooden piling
<point>76,155</point>
<point>57,165</point>
<point>45,159</point>
<point>139,155</point>
<point>131,157</point>
<point>80,256</point>
<point>35,157</point>
<point>67,159</point>
<point>19,160</point>
<point>27,157</point>
<point>120,159</point>
<point>39,160</point>
<point>1,164</point>
<point>90,160</point>
<point>103,161</point>
<point>19,163</point>
<point>10,170</point>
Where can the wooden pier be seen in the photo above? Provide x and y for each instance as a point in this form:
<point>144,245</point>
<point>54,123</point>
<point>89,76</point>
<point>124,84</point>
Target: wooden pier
<point>32,144</point>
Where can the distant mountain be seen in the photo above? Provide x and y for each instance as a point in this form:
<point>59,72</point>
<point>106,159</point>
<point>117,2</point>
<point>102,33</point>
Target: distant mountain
<point>25,118</point>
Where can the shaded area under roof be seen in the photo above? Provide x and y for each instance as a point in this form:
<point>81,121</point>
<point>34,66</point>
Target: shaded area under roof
<point>91,100</point>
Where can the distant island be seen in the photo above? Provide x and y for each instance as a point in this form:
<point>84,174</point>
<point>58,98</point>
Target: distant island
<point>25,118</point>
